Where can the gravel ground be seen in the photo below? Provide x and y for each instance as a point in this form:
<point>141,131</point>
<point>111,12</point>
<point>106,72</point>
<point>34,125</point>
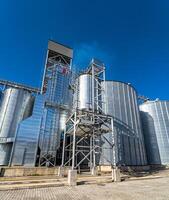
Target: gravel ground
<point>156,189</point>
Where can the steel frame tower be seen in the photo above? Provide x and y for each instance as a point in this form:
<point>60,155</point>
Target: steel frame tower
<point>58,61</point>
<point>86,128</point>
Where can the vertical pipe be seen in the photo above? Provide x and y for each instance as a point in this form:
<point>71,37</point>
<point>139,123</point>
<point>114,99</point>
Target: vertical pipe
<point>104,91</point>
<point>42,134</point>
<point>94,155</point>
<point>114,143</point>
<point>63,149</point>
<point>91,160</point>
<point>93,108</point>
<point>74,142</point>
<point>44,73</point>
<point>69,151</point>
<point>38,143</point>
<point>93,97</point>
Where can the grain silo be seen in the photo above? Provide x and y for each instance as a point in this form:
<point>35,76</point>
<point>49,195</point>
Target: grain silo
<point>155,120</point>
<point>121,103</point>
<point>83,97</point>
<point>16,106</point>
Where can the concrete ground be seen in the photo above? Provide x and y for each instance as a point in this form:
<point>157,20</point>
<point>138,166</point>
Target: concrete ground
<point>156,189</point>
<point>154,186</point>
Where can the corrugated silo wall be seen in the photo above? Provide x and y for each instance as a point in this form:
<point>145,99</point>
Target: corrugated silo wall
<point>121,103</point>
<point>14,108</point>
<point>25,146</point>
<point>155,120</point>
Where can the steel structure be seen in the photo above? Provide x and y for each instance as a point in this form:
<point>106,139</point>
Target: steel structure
<point>55,87</point>
<point>38,137</point>
<point>85,128</point>
<point>4,84</point>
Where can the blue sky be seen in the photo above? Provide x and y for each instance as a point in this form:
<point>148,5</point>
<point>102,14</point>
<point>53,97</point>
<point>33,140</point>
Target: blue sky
<point>131,37</point>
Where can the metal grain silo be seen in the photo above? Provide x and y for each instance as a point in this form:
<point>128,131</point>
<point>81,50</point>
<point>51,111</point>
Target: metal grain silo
<point>15,106</point>
<point>83,98</point>
<point>121,103</point>
<point>155,120</point>
<point>83,93</point>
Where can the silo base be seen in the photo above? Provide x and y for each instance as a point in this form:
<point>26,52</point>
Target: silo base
<point>72,177</point>
<point>116,175</point>
<point>61,171</point>
<point>94,171</point>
